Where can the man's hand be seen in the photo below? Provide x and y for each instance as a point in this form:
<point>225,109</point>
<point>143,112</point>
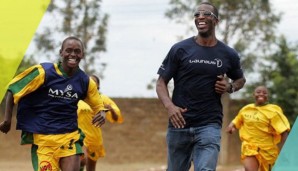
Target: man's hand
<point>5,127</point>
<point>176,116</point>
<point>221,85</point>
<point>99,119</point>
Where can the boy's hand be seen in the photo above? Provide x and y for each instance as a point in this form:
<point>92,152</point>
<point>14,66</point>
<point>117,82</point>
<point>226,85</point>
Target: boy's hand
<point>5,127</point>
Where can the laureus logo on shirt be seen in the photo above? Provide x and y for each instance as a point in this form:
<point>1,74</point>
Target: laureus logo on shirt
<point>67,93</point>
<point>162,67</point>
<point>45,166</point>
<point>216,62</point>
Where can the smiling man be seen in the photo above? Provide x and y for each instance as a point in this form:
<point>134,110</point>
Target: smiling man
<point>47,96</point>
<point>198,65</point>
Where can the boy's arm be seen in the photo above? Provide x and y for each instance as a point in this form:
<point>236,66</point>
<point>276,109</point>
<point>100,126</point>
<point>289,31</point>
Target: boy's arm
<point>6,124</point>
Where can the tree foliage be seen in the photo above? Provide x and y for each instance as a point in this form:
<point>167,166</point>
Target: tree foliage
<point>81,18</point>
<point>280,76</point>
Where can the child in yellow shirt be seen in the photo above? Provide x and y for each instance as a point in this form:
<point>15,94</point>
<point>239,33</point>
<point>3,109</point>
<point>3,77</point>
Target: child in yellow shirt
<point>261,127</point>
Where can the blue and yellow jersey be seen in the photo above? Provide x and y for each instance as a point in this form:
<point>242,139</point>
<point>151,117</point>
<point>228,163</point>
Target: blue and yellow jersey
<point>47,98</point>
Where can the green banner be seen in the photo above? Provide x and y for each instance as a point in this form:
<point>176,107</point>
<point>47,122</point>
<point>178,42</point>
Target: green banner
<point>288,157</point>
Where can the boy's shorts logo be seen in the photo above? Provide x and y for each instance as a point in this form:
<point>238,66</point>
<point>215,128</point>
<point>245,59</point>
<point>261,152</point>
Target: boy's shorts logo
<point>45,166</point>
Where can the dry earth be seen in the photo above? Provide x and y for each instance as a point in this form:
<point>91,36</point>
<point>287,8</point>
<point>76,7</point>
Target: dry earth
<point>136,145</point>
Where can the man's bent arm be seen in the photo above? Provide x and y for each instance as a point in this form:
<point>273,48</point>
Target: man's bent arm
<point>163,92</point>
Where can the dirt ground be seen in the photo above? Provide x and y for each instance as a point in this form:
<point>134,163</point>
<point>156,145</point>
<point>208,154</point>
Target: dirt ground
<point>136,145</point>
<point>102,166</point>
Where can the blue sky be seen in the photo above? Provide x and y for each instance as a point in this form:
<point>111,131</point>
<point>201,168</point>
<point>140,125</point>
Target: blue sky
<point>138,39</point>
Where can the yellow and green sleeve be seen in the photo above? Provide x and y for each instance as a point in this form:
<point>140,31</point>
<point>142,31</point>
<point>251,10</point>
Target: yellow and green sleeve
<point>26,82</point>
<point>93,98</point>
<point>116,109</point>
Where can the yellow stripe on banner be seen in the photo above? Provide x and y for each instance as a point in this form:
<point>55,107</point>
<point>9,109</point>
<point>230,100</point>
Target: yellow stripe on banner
<point>19,20</point>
